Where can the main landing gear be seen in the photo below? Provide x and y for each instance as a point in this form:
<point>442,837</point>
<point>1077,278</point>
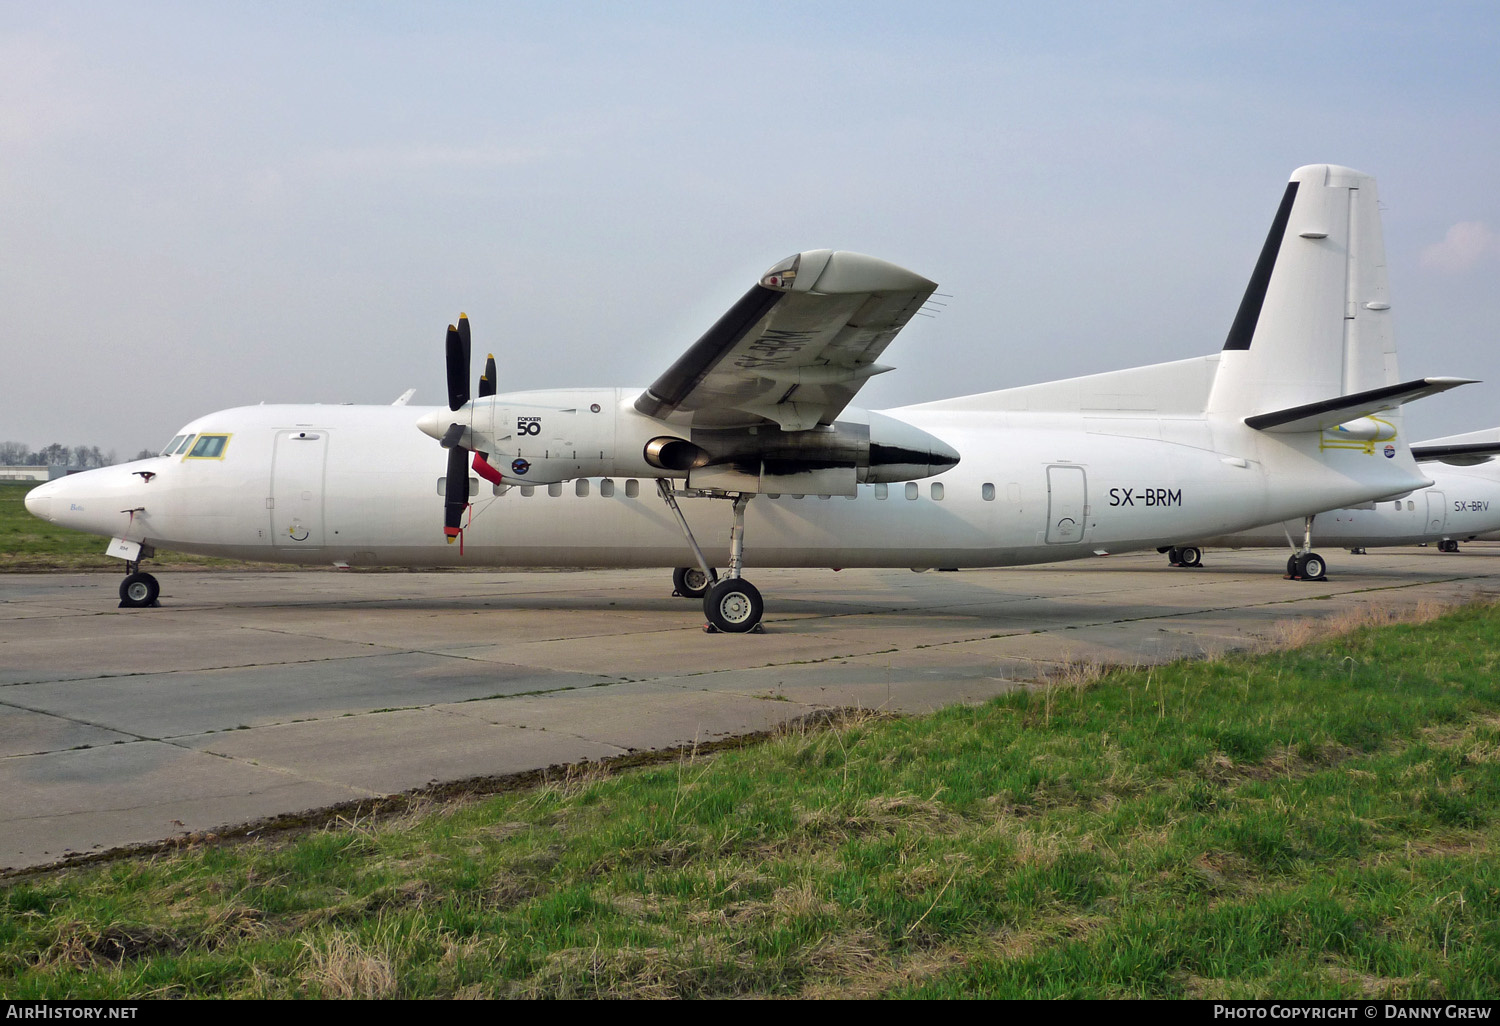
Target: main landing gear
<point>1448,545</point>
<point>732,605</point>
<point>692,582</point>
<point>138,589</point>
<point>1306,565</point>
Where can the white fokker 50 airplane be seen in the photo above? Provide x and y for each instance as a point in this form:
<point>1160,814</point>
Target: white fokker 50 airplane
<point>757,413</point>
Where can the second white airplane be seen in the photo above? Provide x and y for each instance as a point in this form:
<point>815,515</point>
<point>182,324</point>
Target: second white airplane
<point>756,414</point>
<point>1462,503</point>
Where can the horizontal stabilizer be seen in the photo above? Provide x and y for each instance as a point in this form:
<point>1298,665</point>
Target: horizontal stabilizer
<point>1468,455</point>
<point>1327,413</point>
<point>1466,450</point>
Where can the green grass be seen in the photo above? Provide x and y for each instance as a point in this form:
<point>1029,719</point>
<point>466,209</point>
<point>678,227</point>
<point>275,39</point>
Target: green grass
<point>28,543</point>
<point>1320,822</point>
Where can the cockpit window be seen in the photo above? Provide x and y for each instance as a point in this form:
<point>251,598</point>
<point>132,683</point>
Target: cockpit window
<point>171,446</point>
<point>182,446</point>
<point>208,447</point>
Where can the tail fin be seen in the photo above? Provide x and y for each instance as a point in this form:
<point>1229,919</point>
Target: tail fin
<point>1315,319</point>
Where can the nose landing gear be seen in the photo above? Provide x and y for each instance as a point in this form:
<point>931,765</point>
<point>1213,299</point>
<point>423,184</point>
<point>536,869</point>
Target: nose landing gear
<point>138,589</point>
<point>1306,565</point>
<point>1185,556</point>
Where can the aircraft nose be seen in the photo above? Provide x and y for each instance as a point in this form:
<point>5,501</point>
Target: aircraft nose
<point>39,501</point>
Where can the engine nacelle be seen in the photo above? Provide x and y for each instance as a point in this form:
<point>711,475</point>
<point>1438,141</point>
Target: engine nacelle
<point>546,437</point>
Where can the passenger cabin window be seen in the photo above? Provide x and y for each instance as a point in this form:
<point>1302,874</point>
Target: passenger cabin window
<point>882,491</point>
<point>607,488</point>
<point>208,447</point>
<point>632,488</point>
<point>987,492</point>
<point>911,489</point>
<point>554,489</point>
<point>527,491</point>
<point>581,489</point>
<point>937,490</point>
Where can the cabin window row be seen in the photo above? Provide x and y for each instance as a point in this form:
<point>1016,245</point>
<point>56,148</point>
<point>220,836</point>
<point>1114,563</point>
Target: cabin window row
<point>583,486</point>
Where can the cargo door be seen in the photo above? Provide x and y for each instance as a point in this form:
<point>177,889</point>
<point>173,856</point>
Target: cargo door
<point>1437,512</point>
<point>296,501</point>
<point>1067,505</point>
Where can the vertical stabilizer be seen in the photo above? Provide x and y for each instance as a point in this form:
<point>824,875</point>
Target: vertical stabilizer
<point>1314,322</point>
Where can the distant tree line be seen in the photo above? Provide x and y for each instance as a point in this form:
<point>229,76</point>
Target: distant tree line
<point>18,454</point>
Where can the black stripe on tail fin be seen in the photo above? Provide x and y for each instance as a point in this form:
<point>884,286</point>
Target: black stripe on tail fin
<point>1243,328</point>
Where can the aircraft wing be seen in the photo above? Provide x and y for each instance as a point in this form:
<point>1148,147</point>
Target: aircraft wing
<point>795,349</point>
<point>1344,408</point>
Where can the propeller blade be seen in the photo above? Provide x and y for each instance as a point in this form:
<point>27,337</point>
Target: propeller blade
<point>456,491</point>
<point>487,382</point>
<point>458,363</point>
<point>482,467</point>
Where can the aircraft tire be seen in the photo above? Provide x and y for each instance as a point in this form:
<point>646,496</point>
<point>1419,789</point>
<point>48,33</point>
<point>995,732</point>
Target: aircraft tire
<point>733,606</point>
<point>1174,556</point>
<point>1291,566</point>
<point>138,590</point>
<point>1311,567</point>
<point>1189,555</point>
<point>689,582</point>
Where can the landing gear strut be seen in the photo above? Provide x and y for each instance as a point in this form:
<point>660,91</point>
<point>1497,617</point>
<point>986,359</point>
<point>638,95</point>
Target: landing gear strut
<point>138,589</point>
<point>732,605</point>
<point>1306,565</point>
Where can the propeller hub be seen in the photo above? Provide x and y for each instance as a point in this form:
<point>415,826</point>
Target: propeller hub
<point>435,424</point>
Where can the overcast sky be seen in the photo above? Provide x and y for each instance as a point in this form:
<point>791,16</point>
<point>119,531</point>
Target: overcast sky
<point>211,205</point>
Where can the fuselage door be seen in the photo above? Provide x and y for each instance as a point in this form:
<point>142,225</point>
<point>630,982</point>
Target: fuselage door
<point>297,489</point>
<point>1067,505</point>
<point>1437,512</point>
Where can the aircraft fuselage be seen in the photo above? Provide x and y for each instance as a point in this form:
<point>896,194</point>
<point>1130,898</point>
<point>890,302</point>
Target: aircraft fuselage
<point>361,485</point>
